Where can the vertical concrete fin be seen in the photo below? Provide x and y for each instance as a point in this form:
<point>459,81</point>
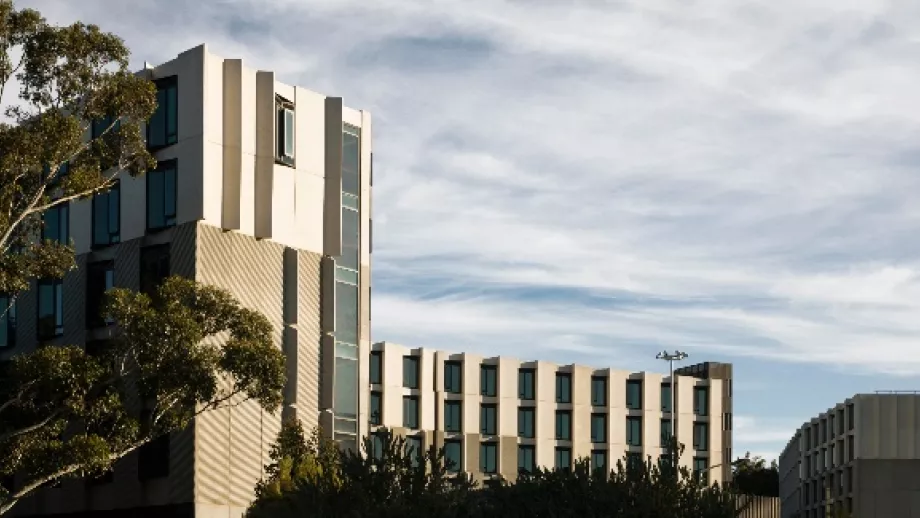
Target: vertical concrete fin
<point>233,143</point>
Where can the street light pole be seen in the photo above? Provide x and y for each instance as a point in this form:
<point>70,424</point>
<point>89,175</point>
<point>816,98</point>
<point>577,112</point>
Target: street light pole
<point>676,356</point>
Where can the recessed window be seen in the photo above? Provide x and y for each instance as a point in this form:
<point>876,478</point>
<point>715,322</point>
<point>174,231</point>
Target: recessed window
<point>376,417</point>
<point>414,449</point>
<point>665,397</point>
<point>410,412</point>
<point>56,224</point>
<point>50,308</point>
<point>284,110</point>
<point>526,384</point>
<point>453,377</point>
<point>346,313</point>
<point>488,420</point>
<point>154,268</point>
<point>376,374</point>
<point>161,196</point>
<point>701,402</point>
<point>598,428</point>
<point>564,425</point>
<point>153,459</point>
<point>665,432</point>
<point>488,457</point>
<point>633,460</point>
<point>99,126</point>
<point>563,459</point>
<point>453,416</point>
<point>599,460</point>
<point>599,390</point>
<point>100,278</point>
<point>700,466</point>
<point>107,217</point>
<point>634,394</point>
<point>563,388</point>
<point>163,126</point>
<point>351,238</point>
<point>634,431</point>
<point>527,458</point>
<point>488,380</point>
<point>526,422</point>
<point>453,455</point>
<point>410,372</point>
<point>351,160</point>
<point>7,322</point>
<point>700,436</point>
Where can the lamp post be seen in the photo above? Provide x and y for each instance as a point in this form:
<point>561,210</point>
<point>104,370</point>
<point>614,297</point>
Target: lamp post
<point>676,356</point>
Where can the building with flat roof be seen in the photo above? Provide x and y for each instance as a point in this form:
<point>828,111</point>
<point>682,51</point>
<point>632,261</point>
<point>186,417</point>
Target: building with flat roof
<point>262,188</point>
<point>497,416</point>
<point>861,456</point>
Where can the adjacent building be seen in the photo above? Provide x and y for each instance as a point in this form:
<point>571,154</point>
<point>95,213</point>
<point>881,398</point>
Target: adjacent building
<point>860,457</point>
<point>498,416</point>
<point>262,188</point>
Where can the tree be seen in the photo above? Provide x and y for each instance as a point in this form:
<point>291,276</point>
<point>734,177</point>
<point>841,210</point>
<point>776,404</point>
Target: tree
<point>73,81</point>
<point>66,412</point>
<point>752,476</point>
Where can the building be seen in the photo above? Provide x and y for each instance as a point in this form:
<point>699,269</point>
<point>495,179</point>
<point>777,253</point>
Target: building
<point>496,416</point>
<point>861,457</point>
<point>262,188</point>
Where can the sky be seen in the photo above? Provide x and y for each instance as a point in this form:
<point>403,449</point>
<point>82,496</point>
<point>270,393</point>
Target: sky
<point>593,182</point>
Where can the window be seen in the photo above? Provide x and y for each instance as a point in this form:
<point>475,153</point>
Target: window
<point>376,416</point>
<point>831,427</point>
<point>453,378</point>
<point>7,322</point>
<point>488,457</point>
<point>453,416</point>
<point>410,412</point>
<point>351,159</point>
<point>163,127</point>
<point>376,374</point>
<point>599,460</point>
<point>56,224</point>
<point>351,235</point>
<point>414,449</point>
<point>285,137</point>
<point>598,428</point>
<point>598,390</point>
<point>633,460</point>
<point>526,422</point>
<point>527,384</point>
<point>487,420</point>
<point>346,315</point>
<point>99,127</point>
<point>153,459</point>
<point>727,421</point>
<point>453,455</point>
<point>154,268</point>
<point>700,465</point>
<point>563,459</point>
<point>488,381</point>
<point>849,479</point>
<point>410,372</point>
<point>634,394</point>
<point>563,388</point>
<point>161,196</point>
<point>106,217</point>
<point>634,431</point>
<point>527,458</point>
<point>701,400</point>
<point>700,436</point>
<point>851,416</point>
<point>666,397</point>
<point>100,278</point>
<point>50,308</point>
<point>377,444</point>
<point>851,450</point>
<point>665,432</point>
<point>563,425</point>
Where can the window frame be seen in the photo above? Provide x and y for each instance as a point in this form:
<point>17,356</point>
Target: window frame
<point>57,286</point>
<point>164,167</point>
<point>490,447</point>
<point>488,373</point>
<point>601,418</point>
<point>164,84</point>
<point>378,397</point>
<point>8,319</point>
<point>285,109</point>
<point>563,387</point>
<point>414,383</point>
<point>155,255</point>
<point>558,453</point>
<point>634,383</point>
<point>485,409</point>
<point>523,451</point>
<point>376,364</point>
<point>112,237</point>
<point>410,400</point>
<point>94,298</point>
<point>62,211</point>
<point>522,412</point>
<point>665,432</point>
<point>637,440</point>
<point>456,405</point>
<point>527,391</point>
<point>453,377</point>
<point>602,401</point>
<point>666,394</point>
<point>594,455</point>
<point>567,429</point>
<point>453,467</point>
<point>701,407</point>
<point>701,436</point>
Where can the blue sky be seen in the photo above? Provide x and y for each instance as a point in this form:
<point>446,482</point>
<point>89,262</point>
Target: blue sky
<point>595,181</point>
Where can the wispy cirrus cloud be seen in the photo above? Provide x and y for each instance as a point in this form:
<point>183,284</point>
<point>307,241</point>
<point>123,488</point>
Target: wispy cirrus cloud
<point>592,182</point>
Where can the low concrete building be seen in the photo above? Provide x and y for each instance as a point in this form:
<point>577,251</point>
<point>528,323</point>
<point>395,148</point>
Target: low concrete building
<point>497,416</point>
<point>861,457</point>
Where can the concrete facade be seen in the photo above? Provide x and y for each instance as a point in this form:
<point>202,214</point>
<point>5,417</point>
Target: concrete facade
<point>454,399</point>
<point>272,205</point>
<point>860,457</point>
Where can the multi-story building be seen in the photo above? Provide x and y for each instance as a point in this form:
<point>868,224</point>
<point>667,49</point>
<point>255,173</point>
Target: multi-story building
<point>860,457</point>
<point>497,416</point>
<point>262,188</point>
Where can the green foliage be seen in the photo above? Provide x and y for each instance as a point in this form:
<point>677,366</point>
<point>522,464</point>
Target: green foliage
<point>68,77</point>
<point>388,480</point>
<point>189,349</point>
<point>752,476</point>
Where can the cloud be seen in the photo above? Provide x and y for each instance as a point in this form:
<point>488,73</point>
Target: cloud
<point>592,182</point>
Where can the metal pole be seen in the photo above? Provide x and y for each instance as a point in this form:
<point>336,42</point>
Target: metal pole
<point>671,358</point>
